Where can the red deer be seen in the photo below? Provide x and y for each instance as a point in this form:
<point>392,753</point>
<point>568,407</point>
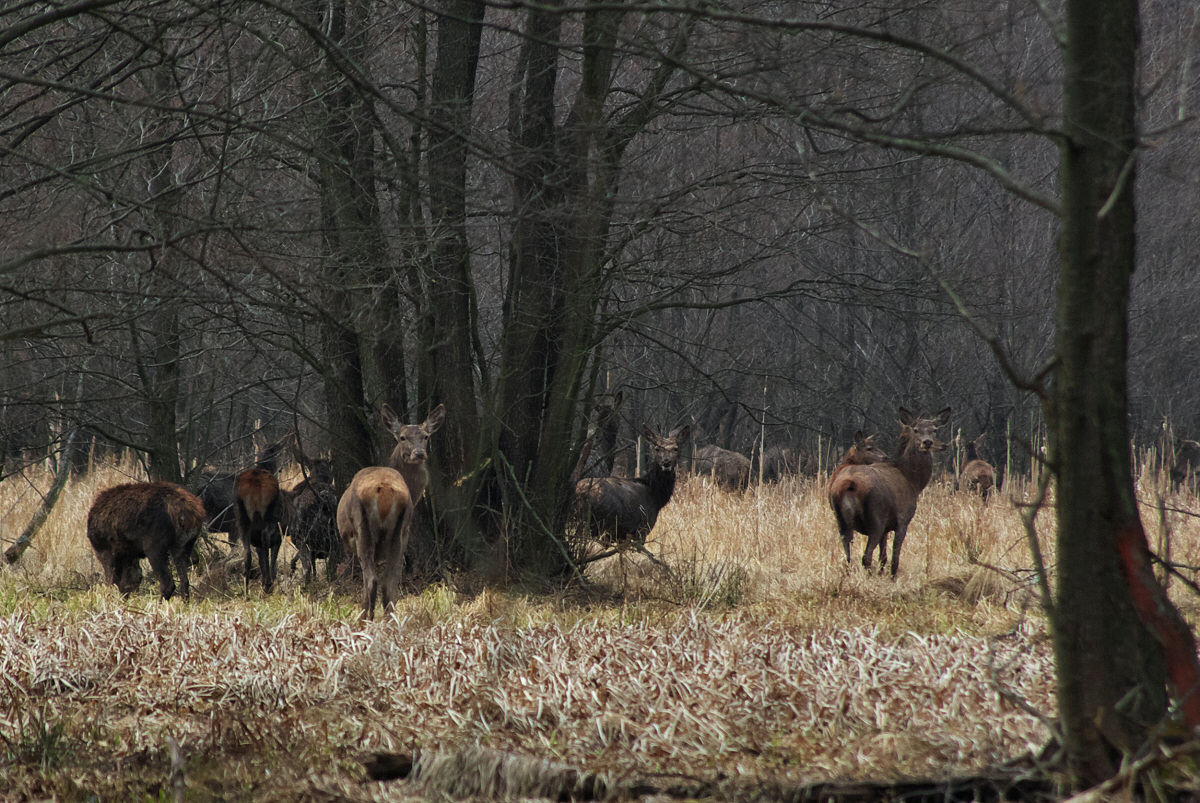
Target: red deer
<point>260,509</point>
<point>730,470</point>
<point>880,498</point>
<point>412,448</point>
<point>218,491</point>
<point>862,452</point>
<point>1187,462</point>
<point>977,474</point>
<point>313,526</point>
<point>374,518</point>
<point>623,509</point>
<point>156,520</point>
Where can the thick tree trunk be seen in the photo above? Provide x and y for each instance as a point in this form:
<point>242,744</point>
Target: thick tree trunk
<point>360,349</point>
<point>447,369</point>
<point>1111,674</point>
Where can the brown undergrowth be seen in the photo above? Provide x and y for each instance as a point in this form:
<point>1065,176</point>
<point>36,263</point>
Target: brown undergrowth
<point>755,655</point>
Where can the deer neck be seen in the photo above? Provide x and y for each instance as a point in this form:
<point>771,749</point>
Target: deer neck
<point>914,464</point>
<point>661,483</point>
<point>416,477</point>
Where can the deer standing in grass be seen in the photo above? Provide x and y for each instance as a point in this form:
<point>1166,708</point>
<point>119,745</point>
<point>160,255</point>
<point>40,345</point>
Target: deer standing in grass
<point>376,513</point>
<point>260,509</point>
<point>622,509</point>
<point>978,474</point>
<point>879,498</point>
<point>155,520</point>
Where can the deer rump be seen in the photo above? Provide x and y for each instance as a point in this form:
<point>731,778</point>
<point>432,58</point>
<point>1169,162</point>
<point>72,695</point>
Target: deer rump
<point>874,500</point>
<point>616,508</point>
<point>374,517</point>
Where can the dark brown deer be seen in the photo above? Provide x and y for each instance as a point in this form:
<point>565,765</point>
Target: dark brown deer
<point>880,498</point>
<point>412,448</point>
<point>729,470</point>
<point>374,517</point>
<point>313,526</point>
<point>978,475</point>
<point>156,520</point>
<point>218,491</point>
<point>260,510</point>
<point>621,509</point>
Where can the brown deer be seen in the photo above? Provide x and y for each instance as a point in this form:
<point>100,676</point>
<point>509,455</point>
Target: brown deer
<point>156,520</point>
<point>218,491</point>
<point>621,509</point>
<point>978,475</point>
<point>862,452</point>
<point>730,470</point>
<point>880,498</point>
<point>260,509</point>
<point>412,448</point>
<point>313,527</point>
<point>374,517</point>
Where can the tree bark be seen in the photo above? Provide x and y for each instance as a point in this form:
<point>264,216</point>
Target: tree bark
<point>1111,673</point>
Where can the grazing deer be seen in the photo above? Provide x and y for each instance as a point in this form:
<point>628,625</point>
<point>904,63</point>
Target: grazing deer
<point>977,474</point>
<point>313,527</point>
<point>260,509</point>
<point>156,520</point>
<point>412,448</point>
<point>879,498</point>
<point>622,509</point>
<point>374,517</point>
<point>730,470</point>
<point>1186,463</point>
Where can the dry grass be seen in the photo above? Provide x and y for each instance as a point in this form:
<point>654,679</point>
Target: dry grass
<point>758,656</point>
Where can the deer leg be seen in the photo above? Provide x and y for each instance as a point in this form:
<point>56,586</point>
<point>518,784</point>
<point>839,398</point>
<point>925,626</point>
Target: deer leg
<point>874,540</point>
<point>366,559</point>
<point>182,561</point>
<point>901,531</point>
<point>248,559</point>
<point>264,565</point>
<point>161,564</point>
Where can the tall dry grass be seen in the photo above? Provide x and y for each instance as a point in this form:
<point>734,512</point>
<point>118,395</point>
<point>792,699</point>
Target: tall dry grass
<point>757,655</point>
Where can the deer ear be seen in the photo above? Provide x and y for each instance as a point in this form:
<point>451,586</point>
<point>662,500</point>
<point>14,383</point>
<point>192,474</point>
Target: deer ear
<point>942,417</point>
<point>683,434</point>
<point>649,434</point>
<point>390,420</point>
<point>435,419</point>
<point>859,436</point>
<point>618,398</point>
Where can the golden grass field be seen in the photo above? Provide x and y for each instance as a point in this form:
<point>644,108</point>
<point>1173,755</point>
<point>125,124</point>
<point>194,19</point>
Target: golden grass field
<point>760,659</point>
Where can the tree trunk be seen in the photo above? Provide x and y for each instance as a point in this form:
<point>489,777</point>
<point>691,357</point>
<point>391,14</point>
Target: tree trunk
<point>1111,674</point>
<point>360,349</point>
<point>447,370</point>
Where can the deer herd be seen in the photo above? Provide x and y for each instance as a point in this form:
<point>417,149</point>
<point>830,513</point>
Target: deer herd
<point>373,518</point>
